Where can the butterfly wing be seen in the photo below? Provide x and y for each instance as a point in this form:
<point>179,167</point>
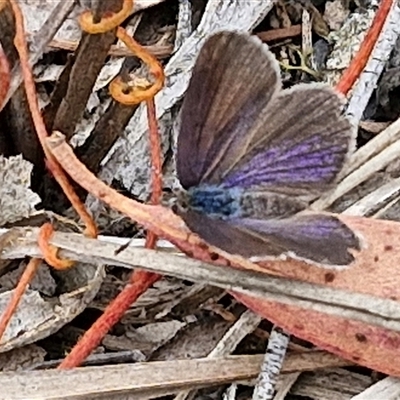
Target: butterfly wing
<point>233,80</point>
<point>240,129</point>
<point>299,146</point>
<point>320,238</point>
<point>228,237</point>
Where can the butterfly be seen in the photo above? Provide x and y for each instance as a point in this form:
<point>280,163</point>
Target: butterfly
<point>251,156</point>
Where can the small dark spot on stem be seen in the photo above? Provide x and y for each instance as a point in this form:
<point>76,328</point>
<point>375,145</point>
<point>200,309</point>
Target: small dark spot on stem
<point>388,247</point>
<point>203,246</point>
<point>214,256</point>
<point>361,337</point>
<point>376,258</point>
<point>189,253</point>
<point>329,277</point>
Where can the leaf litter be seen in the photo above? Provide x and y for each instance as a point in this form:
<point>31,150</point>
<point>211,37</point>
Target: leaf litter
<point>174,319</point>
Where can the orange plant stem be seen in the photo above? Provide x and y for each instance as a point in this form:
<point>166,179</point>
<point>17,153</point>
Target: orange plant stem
<point>140,276</point>
<point>112,314</point>
<point>140,280</point>
<point>4,77</point>
<point>360,60</point>
<point>155,150</point>
<point>30,88</point>
<point>26,278</point>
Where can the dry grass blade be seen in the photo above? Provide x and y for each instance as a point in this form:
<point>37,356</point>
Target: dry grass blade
<point>147,380</point>
<point>362,307</point>
<point>374,156</point>
<point>388,389</point>
<point>116,51</point>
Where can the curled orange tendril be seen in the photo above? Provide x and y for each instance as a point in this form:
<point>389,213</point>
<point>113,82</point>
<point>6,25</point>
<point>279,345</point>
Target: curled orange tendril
<point>107,22</point>
<point>129,95</point>
<point>49,252</point>
<point>139,89</point>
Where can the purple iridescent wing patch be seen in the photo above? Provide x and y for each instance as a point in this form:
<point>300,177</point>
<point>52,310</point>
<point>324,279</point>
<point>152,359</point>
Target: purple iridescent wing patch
<point>289,163</point>
<point>303,147</point>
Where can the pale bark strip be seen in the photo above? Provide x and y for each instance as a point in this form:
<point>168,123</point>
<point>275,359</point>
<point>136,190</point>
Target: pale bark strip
<point>245,325</point>
<point>388,389</point>
<point>377,153</point>
<point>184,25</point>
<point>272,364</point>
<point>149,379</point>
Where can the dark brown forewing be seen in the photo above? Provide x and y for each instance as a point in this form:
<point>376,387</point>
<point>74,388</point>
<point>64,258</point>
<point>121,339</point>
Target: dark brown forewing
<point>233,80</point>
<point>298,145</point>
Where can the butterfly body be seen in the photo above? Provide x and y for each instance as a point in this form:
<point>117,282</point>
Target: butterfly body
<point>215,200</point>
<point>233,202</point>
<point>251,155</point>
